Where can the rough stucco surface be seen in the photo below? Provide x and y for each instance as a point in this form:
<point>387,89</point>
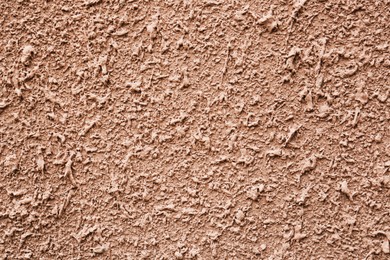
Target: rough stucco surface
<point>200,129</point>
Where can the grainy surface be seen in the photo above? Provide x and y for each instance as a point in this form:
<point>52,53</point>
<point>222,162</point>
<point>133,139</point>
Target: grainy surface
<point>194,129</point>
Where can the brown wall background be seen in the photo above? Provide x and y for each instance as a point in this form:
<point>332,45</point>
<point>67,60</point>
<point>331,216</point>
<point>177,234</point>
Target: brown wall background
<point>194,129</point>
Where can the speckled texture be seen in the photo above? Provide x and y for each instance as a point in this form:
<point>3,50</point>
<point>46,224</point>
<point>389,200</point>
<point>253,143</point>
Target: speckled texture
<point>201,129</point>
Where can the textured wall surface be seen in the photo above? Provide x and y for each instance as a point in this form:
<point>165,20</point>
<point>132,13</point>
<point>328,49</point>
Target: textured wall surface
<point>194,129</point>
